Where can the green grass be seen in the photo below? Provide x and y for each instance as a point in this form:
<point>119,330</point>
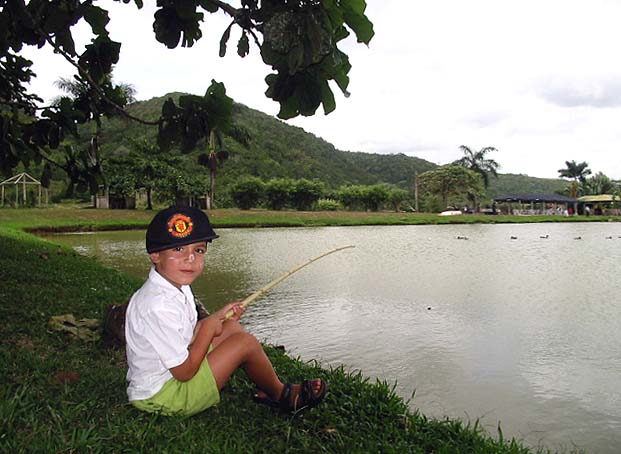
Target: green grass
<point>78,218</point>
<point>59,394</point>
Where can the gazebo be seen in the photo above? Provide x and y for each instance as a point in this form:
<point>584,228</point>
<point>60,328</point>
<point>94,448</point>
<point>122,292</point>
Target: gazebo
<point>601,204</point>
<point>532,200</point>
<point>23,180</point>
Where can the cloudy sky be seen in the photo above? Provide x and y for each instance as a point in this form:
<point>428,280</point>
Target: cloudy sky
<point>538,80</point>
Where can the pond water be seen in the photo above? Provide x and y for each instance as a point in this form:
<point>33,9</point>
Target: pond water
<point>524,332</point>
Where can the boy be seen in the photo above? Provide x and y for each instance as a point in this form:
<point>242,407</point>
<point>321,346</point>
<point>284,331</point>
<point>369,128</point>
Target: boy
<point>176,364</point>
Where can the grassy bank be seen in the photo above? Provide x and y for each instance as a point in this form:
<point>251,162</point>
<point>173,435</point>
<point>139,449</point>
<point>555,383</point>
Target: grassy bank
<point>61,394</point>
<point>79,218</point>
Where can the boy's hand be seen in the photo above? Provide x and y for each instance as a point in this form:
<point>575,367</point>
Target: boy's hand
<point>214,321</point>
<point>237,309</point>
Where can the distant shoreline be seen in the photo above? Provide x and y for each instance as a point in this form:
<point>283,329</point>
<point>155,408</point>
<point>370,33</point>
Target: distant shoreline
<point>79,219</point>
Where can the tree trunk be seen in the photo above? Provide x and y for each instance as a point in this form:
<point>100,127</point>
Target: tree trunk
<point>212,188</point>
<point>416,191</point>
<point>149,202</point>
<point>70,191</point>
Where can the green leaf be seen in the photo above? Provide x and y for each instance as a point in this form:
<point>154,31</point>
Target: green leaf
<point>169,109</point>
<point>308,93</point>
<point>243,45</point>
<point>225,37</point>
<point>97,18</point>
<point>167,27</point>
<point>186,9</point>
<point>353,14</point>
<point>327,98</point>
<point>99,57</point>
<point>288,108</point>
<point>209,6</point>
<point>295,59</point>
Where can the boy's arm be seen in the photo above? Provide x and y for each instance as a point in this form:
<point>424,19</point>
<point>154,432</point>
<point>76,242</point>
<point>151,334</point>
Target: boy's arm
<point>207,329</point>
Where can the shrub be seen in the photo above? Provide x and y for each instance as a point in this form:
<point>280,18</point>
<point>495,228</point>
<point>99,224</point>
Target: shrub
<point>328,205</point>
<point>374,196</point>
<point>278,192</point>
<point>305,193</point>
<point>396,197</point>
<point>247,192</point>
<point>351,196</point>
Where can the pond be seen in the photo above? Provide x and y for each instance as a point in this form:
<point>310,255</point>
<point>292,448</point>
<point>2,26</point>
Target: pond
<point>517,324</point>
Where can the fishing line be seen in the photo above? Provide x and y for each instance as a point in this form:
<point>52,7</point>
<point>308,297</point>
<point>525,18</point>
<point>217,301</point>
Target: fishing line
<point>278,280</point>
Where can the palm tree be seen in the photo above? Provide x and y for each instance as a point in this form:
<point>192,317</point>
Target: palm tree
<point>477,162</point>
<point>217,154</point>
<point>78,91</point>
<point>598,184</point>
<point>577,172</point>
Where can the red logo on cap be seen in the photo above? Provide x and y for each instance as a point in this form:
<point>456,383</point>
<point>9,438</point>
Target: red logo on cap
<point>180,225</point>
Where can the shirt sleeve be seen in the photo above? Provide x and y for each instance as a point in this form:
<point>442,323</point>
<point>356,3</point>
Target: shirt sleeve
<point>166,335</point>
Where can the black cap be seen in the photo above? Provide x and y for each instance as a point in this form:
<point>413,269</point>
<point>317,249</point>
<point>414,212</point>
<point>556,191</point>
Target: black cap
<point>178,226</point>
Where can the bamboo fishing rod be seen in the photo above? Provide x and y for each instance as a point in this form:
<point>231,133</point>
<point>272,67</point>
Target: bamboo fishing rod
<point>278,280</point>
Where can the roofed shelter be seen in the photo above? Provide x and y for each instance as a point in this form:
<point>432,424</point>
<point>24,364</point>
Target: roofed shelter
<point>534,199</point>
<point>602,203</point>
<point>23,180</point>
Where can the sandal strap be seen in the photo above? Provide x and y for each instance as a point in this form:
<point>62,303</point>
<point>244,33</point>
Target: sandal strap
<point>285,398</point>
<point>305,397</point>
<point>311,397</point>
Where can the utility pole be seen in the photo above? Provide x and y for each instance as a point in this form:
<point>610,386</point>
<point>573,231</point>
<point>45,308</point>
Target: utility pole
<point>416,191</point>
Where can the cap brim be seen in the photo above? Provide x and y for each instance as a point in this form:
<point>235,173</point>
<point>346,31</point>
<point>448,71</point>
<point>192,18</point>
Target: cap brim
<point>163,247</point>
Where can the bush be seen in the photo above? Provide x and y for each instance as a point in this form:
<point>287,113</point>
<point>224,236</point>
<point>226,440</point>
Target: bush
<point>328,205</point>
<point>305,193</point>
<point>278,192</point>
<point>247,192</point>
<point>351,196</point>
<point>374,196</point>
<point>122,185</point>
<point>396,197</point>
<point>432,204</point>
<point>180,184</point>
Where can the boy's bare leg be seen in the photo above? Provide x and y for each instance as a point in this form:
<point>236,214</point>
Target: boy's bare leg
<point>236,348</point>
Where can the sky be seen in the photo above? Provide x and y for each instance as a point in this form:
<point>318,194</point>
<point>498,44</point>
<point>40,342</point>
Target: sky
<point>538,80</point>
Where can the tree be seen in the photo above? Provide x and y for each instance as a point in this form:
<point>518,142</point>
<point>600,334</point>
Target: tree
<point>451,180</point>
<point>78,93</point>
<point>577,172</point>
<point>247,192</point>
<point>305,193</point>
<point>396,197</point>
<point>299,40</point>
<point>374,196</point>
<point>477,162</point>
<point>217,153</point>
<point>278,192</point>
<point>149,167</point>
<point>598,184</point>
<point>351,196</point>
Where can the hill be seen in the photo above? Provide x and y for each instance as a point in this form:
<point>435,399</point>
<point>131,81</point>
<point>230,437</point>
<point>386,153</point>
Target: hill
<point>278,150</point>
<point>509,183</point>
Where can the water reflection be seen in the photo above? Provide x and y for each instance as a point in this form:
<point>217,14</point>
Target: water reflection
<point>523,331</point>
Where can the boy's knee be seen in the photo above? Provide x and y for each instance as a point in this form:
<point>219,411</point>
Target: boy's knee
<point>248,340</point>
<point>232,327</point>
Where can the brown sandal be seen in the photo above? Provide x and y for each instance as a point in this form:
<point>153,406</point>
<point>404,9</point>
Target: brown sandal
<point>305,397</point>
<point>293,402</point>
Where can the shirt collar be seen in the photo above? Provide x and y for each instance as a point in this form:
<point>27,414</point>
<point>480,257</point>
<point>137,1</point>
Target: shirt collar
<point>161,281</point>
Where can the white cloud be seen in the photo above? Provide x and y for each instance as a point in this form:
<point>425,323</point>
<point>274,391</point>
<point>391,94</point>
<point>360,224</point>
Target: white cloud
<point>537,80</point>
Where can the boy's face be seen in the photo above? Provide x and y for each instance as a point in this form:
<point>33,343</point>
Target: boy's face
<point>182,264</point>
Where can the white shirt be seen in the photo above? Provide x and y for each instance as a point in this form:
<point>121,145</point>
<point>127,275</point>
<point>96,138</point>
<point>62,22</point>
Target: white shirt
<point>159,325</point>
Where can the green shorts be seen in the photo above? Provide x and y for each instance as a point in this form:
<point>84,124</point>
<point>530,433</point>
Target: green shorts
<point>184,398</point>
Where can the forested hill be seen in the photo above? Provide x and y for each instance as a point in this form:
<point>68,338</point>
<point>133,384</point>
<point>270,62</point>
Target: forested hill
<point>281,150</point>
